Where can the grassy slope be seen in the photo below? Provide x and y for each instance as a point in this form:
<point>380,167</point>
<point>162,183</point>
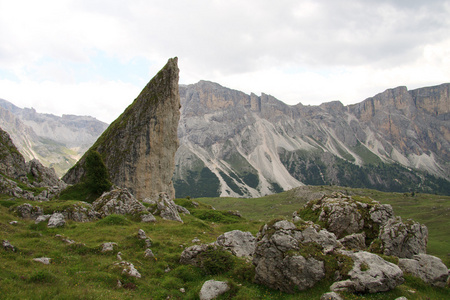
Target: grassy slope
<point>82,272</point>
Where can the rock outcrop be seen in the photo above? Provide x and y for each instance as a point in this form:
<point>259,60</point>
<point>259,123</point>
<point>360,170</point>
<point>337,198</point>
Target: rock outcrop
<point>118,201</point>
<point>138,148</point>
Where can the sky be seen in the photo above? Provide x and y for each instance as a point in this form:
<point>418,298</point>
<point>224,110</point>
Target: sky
<point>93,57</point>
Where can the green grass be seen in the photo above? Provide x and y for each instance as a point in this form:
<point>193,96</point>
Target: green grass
<point>81,271</point>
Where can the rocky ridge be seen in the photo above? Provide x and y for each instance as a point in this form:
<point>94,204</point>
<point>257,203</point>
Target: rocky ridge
<point>234,144</point>
<point>57,142</point>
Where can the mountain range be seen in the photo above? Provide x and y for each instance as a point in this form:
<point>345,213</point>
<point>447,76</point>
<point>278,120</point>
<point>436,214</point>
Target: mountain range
<point>234,144</point>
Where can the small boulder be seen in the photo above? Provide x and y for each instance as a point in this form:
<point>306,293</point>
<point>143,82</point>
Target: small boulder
<point>118,201</point>
<point>42,218</point>
<point>43,260</point>
<point>108,247</point>
<point>429,268</point>
<point>13,223</point>
<point>149,253</point>
<point>141,234</point>
<point>211,289</point>
<point>28,211</point>
<point>56,220</point>
<point>239,243</point>
<point>148,218</point>
<point>128,269</point>
<point>7,246</point>
<point>167,208</point>
<point>331,296</point>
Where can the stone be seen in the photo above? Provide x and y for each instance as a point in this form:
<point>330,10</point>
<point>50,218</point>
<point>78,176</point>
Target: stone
<point>43,260</point>
<point>211,289</point>
<point>148,242</point>
<point>372,274</point>
<point>42,218</point>
<point>28,211</point>
<point>13,223</point>
<point>108,247</point>
<point>343,286</point>
<point>148,218</point>
<point>149,253</point>
<point>189,256</point>
<point>167,208</point>
<point>139,147</point>
<point>119,256</point>
<point>141,234</point>
<point>182,210</point>
<point>56,220</point>
<point>128,269</point>
<point>403,240</point>
<point>182,290</point>
<point>429,268</point>
<point>195,240</point>
<point>330,296</point>
<point>355,241</point>
<point>239,243</point>
<point>401,298</point>
<point>81,212</point>
<point>118,201</point>
<point>7,246</point>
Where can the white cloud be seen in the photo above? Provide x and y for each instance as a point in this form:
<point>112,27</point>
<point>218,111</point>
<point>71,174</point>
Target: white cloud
<point>308,51</point>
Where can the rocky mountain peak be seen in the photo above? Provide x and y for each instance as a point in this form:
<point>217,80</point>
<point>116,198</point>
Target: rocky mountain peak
<point>138,148</point>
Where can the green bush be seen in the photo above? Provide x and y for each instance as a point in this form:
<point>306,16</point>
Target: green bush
<point>112,220</point>
<point>42,276</point>
<point>216,261</point>
<point>216,216</point>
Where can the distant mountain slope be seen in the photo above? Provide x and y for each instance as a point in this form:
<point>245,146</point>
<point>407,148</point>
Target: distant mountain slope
<point>57,142</point>
<point>233,144</point>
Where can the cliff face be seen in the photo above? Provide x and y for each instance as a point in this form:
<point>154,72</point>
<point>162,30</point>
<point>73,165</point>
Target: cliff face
<point>138,148</point>
<point>233,144</point>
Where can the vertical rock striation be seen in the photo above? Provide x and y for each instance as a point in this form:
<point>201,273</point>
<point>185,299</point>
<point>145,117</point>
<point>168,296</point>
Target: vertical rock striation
<point>139,147</point>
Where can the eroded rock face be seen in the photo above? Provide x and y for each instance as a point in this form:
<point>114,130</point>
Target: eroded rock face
<point>139,147</point>
<point>429,268</point>
<point>404,240</point>
<point>118,201</point>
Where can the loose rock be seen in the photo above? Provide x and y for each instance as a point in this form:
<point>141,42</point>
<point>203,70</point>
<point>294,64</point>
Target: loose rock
<point>429,268</point>
<point>44,260</point>
<point>56,220</point>
<point>211,289</point>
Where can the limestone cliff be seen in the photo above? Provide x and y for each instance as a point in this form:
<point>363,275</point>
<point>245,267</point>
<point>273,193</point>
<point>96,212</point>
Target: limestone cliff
<point>138,148</point>
<point>234,144</point>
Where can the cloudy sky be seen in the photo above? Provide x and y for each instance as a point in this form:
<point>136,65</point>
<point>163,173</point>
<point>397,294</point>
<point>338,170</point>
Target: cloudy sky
<point>93,57</point>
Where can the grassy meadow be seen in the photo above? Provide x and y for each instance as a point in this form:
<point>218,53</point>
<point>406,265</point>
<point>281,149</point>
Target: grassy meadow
<point>81,271</point>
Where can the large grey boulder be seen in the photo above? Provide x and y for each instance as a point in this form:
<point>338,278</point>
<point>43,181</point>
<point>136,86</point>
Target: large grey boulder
<point>278,260</point>
<point>56,220</point>
<point>212,289</point>
<point>403,240</point>
<point>429,268</point>
<point>118,201</point>
<point>239,243</point>
<point>370,274</point>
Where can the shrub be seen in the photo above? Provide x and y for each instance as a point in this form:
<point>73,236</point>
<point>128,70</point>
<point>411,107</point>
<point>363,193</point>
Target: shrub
<point>112,220</point>
<point>42,276</point>
<point>215,261</point>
